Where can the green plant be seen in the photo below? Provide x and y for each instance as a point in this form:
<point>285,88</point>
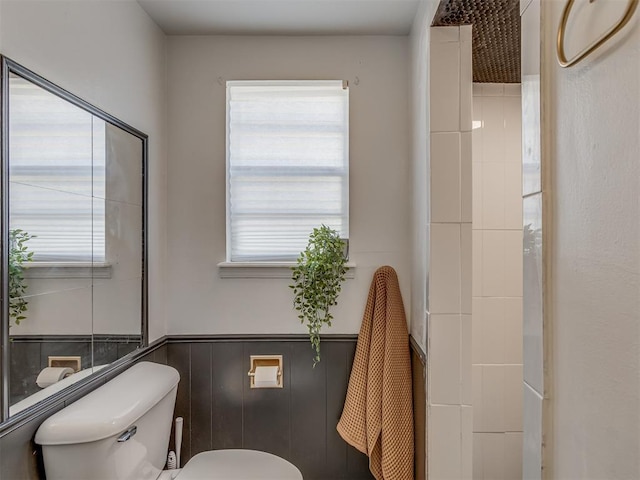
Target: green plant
<point>19,254</point>
<point>317,281</point>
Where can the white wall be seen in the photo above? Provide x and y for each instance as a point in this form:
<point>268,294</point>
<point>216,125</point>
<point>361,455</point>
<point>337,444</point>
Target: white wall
<point>594,295</point>
<point>497,282</point>
<point>112,55</point>
<point>199,301</point>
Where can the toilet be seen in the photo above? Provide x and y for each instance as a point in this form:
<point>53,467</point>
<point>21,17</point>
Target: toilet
<point>121,430</point>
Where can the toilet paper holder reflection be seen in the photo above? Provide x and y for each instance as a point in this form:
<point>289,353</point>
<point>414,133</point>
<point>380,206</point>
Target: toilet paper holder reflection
<point>257,361</point>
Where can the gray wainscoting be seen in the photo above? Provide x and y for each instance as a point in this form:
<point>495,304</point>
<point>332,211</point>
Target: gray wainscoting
<point>419,374</point>
<point>29,355</point>
<point>297,422</point>
<point>20,457</point>
<point>219,409</point>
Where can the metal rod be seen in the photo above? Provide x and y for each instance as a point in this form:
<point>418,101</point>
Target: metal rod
<point>562,58</point>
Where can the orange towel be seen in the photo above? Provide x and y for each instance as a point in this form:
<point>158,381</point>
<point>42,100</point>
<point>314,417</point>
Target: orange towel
<point>378,413</point>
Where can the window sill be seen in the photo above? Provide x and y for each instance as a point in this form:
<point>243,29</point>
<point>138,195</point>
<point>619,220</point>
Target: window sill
<point>67,270</point>
<point>266,269</point>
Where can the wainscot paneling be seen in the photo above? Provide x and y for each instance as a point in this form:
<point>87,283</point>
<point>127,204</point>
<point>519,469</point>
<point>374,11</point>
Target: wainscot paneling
<point>418,368</point>
<point>29,354</point>
<point>297,422</point>
<point>20,457</point>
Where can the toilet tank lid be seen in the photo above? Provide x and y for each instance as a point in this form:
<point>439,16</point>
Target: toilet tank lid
<point>110,409</point>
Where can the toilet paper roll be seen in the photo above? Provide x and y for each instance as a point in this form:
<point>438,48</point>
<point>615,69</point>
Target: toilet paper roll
<point>51,375</point>
<point>266,377</point>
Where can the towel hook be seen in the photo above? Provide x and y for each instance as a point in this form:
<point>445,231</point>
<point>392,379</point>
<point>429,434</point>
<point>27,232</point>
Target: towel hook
<point>562,59</point>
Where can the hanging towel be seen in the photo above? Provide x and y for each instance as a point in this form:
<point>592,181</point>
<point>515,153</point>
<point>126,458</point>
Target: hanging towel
<point>377,418</point>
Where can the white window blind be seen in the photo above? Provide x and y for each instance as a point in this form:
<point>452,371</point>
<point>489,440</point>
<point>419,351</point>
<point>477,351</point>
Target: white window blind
<point>57,175</point>
<point>287,166</point>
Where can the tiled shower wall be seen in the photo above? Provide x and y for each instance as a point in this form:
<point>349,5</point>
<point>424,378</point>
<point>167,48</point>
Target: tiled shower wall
<point>497,282</point>
<point>449,284</point>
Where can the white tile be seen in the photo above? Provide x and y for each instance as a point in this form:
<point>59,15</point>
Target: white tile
<point>466,33</point>
<point>466,266</point>
<point>444,443</point>
<point>476,103</point>
<point>513,330</point>
<point>512,90</point>
<point>493,267</point>
<point>513,398</point>
<point>478,473</point>
<point>444,277</point>
<point>478,406</point>
<point>532,292</point>
<point>493,456</point>
<point>513,196</point>
<point>476,151</point>
<point>523,5</point>
<point>493,193</point>
<point>477,194</point>
<point>427,269</point>
<point>466,174</point>
<point>493,318</point>
<point>476,261</point>
<point>444,348</point>
<point>445,177</point>
<point>445,87</point>
<point>513,129</point>
<point>444,34</point>
<point>476,330</point>
<point>513,456</point>
<point>493,398</point>
<point>530,48</point>
<point>531,136</point>
<point>467,442</point>
<point>532,435</point>
<point>493,141</point>
<point>513,263</point>
<point>465,361</point>
<point>530,45</point>
<point>493,89</point>
<point>466,79</point>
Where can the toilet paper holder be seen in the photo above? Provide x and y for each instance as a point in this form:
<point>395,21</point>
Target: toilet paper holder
<point>257,361</point>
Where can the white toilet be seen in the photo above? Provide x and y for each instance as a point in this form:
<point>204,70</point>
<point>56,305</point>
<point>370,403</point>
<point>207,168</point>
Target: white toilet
<point>121,431</point>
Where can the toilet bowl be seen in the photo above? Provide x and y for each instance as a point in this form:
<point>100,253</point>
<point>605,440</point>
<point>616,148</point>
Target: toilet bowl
<point>238,464</point>
<point>121,430</point>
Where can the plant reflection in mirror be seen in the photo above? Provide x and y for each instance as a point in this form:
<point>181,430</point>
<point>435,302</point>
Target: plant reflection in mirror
<point>19,254</point>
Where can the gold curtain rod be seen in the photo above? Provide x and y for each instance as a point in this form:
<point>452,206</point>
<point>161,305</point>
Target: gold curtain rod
<point>562,58</point>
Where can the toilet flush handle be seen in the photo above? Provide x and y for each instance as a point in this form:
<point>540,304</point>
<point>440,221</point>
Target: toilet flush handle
<point>128,434</point>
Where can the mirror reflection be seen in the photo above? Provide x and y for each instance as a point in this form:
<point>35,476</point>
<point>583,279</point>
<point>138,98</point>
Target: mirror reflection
<point>76,242</point>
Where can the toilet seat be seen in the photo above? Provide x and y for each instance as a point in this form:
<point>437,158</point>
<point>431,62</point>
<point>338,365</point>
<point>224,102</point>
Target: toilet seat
<point>238,465</point>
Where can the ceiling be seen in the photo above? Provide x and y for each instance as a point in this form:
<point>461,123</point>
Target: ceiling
<point>496,36</point>
<point>496,23</point>
<point>282,17</point>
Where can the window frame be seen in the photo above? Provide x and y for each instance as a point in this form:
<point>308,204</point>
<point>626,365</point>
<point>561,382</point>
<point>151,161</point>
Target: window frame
<point>269,268</point>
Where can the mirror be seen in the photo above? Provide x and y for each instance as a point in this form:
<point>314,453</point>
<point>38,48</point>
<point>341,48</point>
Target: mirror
<point>74,234</point>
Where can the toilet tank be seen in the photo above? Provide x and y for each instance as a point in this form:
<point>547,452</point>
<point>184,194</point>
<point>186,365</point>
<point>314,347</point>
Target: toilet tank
<point>120,431</point>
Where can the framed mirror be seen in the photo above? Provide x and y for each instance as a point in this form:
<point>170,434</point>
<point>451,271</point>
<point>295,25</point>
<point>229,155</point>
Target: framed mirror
<point>74,289</point>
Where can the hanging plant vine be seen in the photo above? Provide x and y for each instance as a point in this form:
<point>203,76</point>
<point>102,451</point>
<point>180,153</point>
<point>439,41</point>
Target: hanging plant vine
<point>317,281</point>
<point>19,254</point>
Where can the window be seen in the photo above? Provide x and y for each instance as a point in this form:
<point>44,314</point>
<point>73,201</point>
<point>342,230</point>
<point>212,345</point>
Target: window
<point>57,175</point>
<point>287,166</point>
